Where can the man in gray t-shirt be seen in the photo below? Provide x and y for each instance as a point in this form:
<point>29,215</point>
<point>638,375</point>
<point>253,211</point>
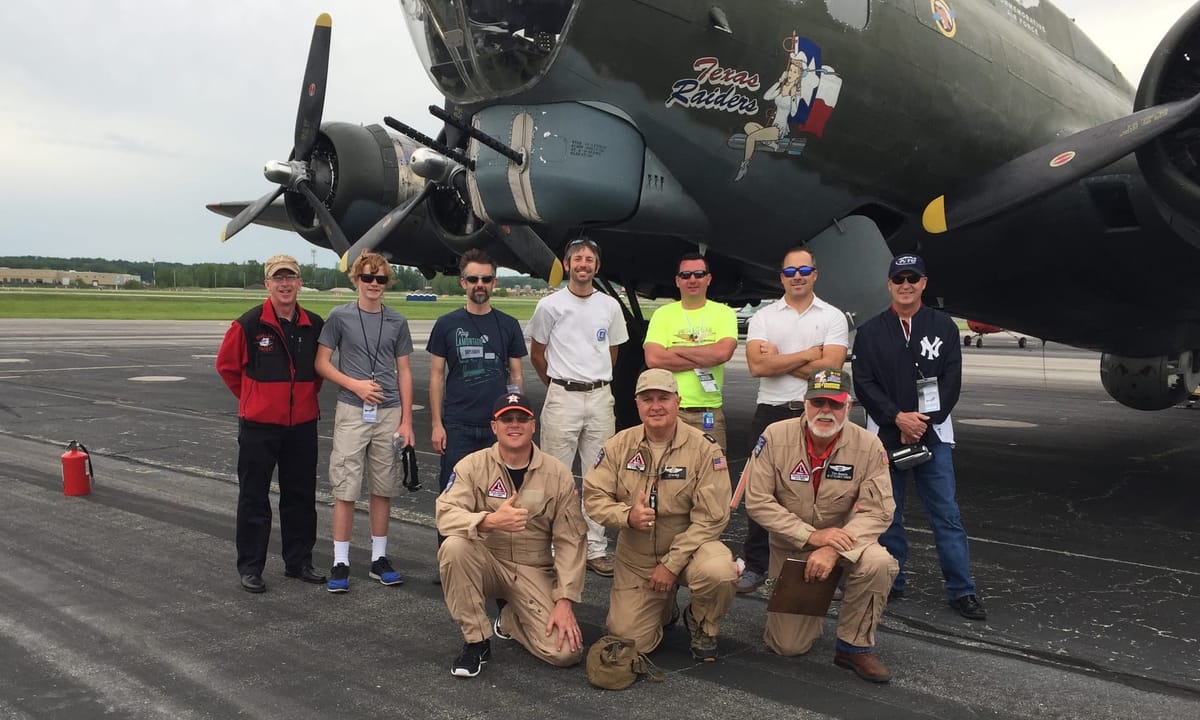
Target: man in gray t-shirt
<point>374,406</point>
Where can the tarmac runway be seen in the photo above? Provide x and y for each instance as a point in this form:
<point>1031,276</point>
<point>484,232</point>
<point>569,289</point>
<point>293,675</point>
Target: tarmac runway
<point>125,603</point>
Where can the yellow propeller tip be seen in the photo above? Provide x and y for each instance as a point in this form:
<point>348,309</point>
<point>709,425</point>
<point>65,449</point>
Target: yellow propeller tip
<point>342,264</point>
<point>323,20</point>
<point>934,217</point>
<point>556,274</point>
<point>223,238</point>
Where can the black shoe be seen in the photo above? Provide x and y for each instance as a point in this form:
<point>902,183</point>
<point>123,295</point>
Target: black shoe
<point>253,583</point>
<point>895,594</point>
<point>969,607</point>
<point>474,656</point>
<point>307,574</point>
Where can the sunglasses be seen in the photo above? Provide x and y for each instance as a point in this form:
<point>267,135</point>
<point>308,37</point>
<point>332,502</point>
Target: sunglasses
<point>802,271</point>
<point>514,417</point>
<point>475,279</point>
<point>380,279</point>
<point>581,241</point>
<point>285,278</point>
<point>822,403</point>
<point>689,274</point>
<point>906,278</point>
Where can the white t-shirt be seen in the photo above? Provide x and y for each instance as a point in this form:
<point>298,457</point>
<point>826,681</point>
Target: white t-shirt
<point>790,331</point>
<point>577,333</point>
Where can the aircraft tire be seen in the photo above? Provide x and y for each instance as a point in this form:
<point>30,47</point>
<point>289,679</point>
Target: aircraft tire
<point>967,341</point>
<point>978,342</point>
<point>1021,343</point>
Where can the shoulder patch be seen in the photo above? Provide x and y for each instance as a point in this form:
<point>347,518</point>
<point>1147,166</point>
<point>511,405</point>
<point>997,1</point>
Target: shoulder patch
<point>497,490</point>
<point>758,446</point>
<point>599,458</point>
<point>637,462</point>
<point>720,464</point>
<point>710,438</point>
<point>450,482</point>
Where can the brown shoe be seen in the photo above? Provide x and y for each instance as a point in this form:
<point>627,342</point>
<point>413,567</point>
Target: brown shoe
<point>865,665</point>
<point>602,566</point>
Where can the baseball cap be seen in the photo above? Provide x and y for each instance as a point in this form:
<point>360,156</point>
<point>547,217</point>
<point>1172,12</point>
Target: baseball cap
<point>832,383</point>
<point>511,401</point>
<point>275,263</point>
<point>656,379</point>
<point>906,263</point>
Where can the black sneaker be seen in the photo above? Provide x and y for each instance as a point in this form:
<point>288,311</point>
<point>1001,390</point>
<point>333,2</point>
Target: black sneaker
<point>474,656</point>
<point>969,607</point>
<point>383,571</point>
<point>339,579</point>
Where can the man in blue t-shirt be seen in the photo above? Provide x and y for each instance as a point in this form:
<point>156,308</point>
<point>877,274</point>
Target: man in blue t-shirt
<point>475,357</point>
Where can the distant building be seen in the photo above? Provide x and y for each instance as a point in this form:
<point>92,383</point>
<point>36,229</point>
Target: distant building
<point>23,276</point>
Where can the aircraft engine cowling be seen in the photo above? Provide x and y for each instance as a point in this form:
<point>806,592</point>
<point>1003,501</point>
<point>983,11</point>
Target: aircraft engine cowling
<point>1155,383</point>
<point>1171,163</point>
<point>360,173</point>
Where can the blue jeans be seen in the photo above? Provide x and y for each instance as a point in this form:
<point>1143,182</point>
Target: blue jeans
<point>461,441</point>
<point>935,486</point>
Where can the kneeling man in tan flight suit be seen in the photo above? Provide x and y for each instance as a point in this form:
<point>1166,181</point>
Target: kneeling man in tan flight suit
<point>665,486</point>
<point>821,488</point>
<point>501,511</point>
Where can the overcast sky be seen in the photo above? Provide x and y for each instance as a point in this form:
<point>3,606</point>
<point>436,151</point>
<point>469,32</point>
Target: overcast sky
<point>122,118</point>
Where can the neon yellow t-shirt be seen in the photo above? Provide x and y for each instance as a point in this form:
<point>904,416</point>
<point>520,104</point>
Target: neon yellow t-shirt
<point>671,326</point>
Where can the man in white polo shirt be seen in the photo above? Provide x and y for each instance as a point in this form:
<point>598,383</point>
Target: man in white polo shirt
<point>787,340</point>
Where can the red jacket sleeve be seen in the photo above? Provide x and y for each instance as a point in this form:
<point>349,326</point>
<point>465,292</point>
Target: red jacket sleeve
<point>231,359</point>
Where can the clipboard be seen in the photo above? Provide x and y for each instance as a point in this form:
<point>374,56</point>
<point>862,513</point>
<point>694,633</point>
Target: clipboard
<point>794,596</point>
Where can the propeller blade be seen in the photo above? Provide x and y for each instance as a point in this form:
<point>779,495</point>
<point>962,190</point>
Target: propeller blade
<point>375,235</point>
<point>1052,166</point>
<point>337,239</point>
<point>247,216</point>
<point>527,245</point>
<point>312,93</point>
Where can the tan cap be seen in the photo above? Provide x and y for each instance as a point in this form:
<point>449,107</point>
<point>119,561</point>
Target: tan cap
<point>275,263</point>
<point>657,379</point>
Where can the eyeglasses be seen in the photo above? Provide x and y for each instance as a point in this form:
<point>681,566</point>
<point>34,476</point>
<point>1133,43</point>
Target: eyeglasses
<point>822,403</point>
<point>475,279</point>
<point>366,278</point>
<point>689,274</point>
<point>802,271</point>
<point>906,278</point>
<point>285,278</point>
<point>514,417</point>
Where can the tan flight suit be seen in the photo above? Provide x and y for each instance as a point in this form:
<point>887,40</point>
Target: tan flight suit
<point>517,567</point>
<point>861,504</point>
<point>692,485</point>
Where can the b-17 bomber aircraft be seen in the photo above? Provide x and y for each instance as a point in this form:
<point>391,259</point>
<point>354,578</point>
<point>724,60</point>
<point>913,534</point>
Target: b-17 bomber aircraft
<point>979,133</point>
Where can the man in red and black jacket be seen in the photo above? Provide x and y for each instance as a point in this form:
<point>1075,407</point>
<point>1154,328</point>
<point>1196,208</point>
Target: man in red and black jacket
<point>267,360</point>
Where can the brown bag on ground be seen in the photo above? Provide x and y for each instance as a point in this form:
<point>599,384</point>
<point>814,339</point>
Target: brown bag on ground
<point>613,663</point>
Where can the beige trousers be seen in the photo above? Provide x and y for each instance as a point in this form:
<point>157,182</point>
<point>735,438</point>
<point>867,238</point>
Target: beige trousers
<point>695,418</point>
<point>867,585</point>
<point>639,613</point>
<point>471,575</point>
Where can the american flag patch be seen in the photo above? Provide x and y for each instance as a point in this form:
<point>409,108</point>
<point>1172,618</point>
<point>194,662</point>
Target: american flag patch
<point>720,464</point>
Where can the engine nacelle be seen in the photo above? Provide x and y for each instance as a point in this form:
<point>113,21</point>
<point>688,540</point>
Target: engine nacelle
<point>1155,383</point>
<point>1171,163</point>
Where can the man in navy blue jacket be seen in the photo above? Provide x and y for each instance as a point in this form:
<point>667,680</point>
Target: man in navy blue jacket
<point>907,369</point>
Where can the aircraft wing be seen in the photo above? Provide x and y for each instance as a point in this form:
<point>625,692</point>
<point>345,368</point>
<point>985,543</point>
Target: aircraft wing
<point>274,215</point>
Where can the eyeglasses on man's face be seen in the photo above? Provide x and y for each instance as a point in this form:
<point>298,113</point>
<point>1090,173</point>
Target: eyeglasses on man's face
<point>368,278</point>
<point>514,417</point>
<point>803,271</point>
<point>689,274</point>
<point>824,403</point>
<point>285,277</point>
<point>476,279</point>
<point>909,278</point>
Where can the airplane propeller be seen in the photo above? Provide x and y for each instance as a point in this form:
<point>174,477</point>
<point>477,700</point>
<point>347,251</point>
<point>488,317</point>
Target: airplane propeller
<point>295,175</point>
<point>1052,166</point>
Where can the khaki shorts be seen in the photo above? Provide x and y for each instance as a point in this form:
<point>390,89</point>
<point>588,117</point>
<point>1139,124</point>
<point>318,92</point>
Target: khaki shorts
<point>359,448</point>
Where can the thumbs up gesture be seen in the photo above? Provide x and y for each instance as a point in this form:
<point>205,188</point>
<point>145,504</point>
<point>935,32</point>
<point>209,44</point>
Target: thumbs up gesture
<point>641,516</point>
<point>508,517</point>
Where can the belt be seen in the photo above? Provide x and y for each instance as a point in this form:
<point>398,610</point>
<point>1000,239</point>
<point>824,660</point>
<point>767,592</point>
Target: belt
<point>700,409</point>
<point>573,386</point>
<point>790,405</point>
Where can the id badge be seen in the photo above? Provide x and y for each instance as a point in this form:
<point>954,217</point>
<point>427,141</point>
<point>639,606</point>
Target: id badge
<point>370,412</point>
<point>928,400</point>
<point>707,381</point>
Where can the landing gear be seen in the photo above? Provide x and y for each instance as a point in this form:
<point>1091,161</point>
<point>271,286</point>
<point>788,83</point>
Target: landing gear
<point>1021,343</point>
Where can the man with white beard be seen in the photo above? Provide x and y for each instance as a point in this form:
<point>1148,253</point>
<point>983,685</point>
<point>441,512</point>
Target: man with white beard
<point>821,488</point>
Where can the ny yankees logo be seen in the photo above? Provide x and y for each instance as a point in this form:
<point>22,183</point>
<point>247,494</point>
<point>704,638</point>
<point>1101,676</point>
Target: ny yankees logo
<point>931,349</point>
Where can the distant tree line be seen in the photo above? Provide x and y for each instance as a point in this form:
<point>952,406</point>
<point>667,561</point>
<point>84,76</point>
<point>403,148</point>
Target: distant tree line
<point>161,274</point>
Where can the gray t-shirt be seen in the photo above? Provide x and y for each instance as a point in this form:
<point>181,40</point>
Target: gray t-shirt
<point>367,345</point>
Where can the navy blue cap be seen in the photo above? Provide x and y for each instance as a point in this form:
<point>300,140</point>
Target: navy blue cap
<point>511,401</point>
<point>906,263</point>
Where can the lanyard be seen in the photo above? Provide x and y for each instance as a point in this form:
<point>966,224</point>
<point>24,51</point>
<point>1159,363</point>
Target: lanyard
<point>378,340</point>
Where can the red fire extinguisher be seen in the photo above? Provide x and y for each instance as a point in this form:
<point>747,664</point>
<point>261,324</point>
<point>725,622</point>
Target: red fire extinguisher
<point>77,470</point>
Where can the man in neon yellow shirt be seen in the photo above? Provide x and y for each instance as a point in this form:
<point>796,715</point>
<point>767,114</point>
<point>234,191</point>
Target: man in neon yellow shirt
<point>694,338</point>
